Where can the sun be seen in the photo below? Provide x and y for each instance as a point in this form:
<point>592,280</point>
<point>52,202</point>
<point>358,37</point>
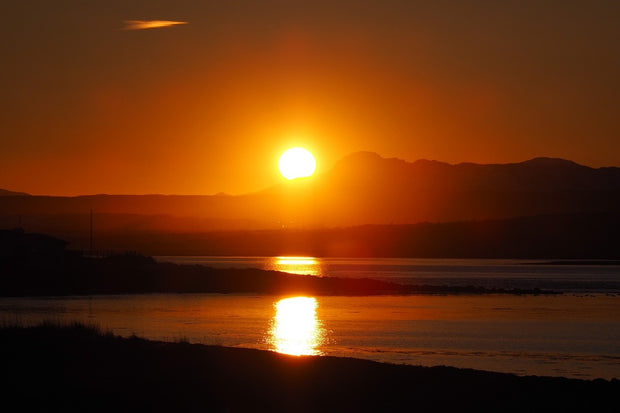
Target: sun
<point>296,163</point>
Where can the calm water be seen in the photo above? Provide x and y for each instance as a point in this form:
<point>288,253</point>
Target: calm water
<point>460,272</point>
<point>567,335</point>
<point>576,334</point>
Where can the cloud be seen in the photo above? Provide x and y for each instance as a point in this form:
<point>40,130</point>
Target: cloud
<point>149,24</point>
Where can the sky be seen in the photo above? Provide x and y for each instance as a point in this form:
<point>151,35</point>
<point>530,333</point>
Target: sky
<point>201,97</point>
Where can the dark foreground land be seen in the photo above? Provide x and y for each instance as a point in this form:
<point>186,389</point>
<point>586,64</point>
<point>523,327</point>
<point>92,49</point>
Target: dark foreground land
<point>76,368</point>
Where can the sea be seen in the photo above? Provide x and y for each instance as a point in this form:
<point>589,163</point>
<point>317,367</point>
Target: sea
<point>574,333</point>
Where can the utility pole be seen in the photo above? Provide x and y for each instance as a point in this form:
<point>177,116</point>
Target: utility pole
<point>91,231</point>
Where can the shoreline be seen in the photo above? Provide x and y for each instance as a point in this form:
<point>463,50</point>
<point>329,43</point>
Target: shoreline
<point>71,274</point>
<point>79,368</point>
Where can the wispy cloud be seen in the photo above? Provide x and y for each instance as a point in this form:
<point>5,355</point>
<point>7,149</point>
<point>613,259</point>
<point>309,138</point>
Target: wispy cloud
<point>149,24</point>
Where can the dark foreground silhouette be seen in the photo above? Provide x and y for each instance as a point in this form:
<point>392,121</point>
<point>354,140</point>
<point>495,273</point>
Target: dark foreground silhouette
<point>39,265</point>
<point>76,368</point>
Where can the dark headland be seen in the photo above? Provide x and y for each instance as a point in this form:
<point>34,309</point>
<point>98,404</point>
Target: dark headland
<point>41,265</point>
<point>77,368</point>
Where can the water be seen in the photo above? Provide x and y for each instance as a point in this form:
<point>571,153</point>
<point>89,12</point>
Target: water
<point>489,273</point>
<point>565,335</point>
<point>576,334</point>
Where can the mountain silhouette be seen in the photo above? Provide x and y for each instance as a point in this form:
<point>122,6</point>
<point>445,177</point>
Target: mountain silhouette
<point>538,174</point>
<point>4,192</point>
<point>363,188</point>
<point>369,189</point>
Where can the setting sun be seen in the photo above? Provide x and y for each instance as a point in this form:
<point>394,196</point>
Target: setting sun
<point>310,205</point>
<point>296,163</point>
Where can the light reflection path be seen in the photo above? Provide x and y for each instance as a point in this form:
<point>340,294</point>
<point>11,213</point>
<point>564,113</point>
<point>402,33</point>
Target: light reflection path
<point>295,328</point>
<point>298,265</point>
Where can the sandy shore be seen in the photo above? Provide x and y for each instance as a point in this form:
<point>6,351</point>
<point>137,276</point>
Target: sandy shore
<point>75,368</point>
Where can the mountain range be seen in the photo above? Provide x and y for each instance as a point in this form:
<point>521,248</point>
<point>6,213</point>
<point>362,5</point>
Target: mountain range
<point>365,206</point>
<point>361,189</point>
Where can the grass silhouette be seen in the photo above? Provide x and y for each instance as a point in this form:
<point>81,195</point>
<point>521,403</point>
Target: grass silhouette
<point>76,367</point>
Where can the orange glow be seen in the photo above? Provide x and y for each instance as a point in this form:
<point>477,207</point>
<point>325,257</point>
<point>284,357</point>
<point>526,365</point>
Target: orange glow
<point>208,106</point>
<point>149,24</point>
<point>296,261</point>
<point>298,265</point>
<point>296,329</point>
<point>296,163</point>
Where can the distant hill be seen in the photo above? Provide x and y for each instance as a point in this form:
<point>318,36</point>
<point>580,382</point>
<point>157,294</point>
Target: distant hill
<point>4,192</point>
<point>365,188</point>
<point>361,189</point>
<point>538,174</point>
<point>564,236</point>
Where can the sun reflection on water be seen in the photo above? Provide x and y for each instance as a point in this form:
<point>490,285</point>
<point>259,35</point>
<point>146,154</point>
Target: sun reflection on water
<point>295,328</point>
<point>298,265</point>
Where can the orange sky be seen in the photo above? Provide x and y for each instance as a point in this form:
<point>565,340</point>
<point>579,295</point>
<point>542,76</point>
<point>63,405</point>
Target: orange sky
<point>89,105</point>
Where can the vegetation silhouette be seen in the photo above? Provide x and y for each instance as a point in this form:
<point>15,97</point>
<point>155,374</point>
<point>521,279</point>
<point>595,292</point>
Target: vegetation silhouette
<point>78,368</point>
